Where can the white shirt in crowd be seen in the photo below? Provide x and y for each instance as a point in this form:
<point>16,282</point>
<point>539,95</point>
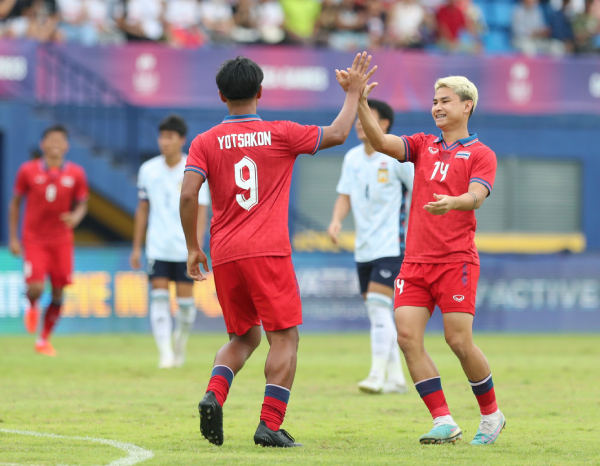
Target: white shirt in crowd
<point>182,13</point>
<point>160,185</point>
<point>374,184</point>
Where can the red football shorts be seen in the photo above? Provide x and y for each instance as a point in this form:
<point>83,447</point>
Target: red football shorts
<point>453,286</point>
<point>258,289</point>
<point>55,260</point>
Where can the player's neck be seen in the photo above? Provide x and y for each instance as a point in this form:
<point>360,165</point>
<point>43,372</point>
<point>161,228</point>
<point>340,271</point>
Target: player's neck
<point>53,162</point>
<point>173,160</point>
<point>368,148</point>
<point>452,135</point>
<point>242,109</point>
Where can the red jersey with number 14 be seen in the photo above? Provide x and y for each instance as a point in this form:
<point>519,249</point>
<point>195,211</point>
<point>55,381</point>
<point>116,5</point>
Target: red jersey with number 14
<point>248,164</point>
<point>444,169</point>
<point>50,192</point>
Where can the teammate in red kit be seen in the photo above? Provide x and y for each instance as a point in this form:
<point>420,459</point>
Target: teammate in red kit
<point>454,173</point>
<point>56,192</point>
<point>248,164</point>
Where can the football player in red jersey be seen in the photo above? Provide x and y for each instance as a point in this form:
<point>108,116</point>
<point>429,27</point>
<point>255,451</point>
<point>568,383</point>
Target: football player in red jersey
<point>248,164</point>
<point>454,174</point>
<point>56,191</point>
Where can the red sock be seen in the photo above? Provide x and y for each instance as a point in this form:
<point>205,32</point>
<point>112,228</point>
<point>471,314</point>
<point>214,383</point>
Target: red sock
<point>50,319</point>
<point>220,382</point>
<point>433,396</point>
<point>485,394</point>
<point>274,406</point>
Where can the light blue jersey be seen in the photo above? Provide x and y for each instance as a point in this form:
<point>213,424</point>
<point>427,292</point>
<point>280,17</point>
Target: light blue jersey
<point>374,184</point>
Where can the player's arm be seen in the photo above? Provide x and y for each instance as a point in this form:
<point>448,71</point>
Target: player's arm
<point>388,144</point>
<point>140,222</point>
<point>202,222</point>
<point>471,200</point>
<point>13,224</point>
<point>352,81</point>
<point>74,218</point>
<point>341,209</point>
<point>188,212</point>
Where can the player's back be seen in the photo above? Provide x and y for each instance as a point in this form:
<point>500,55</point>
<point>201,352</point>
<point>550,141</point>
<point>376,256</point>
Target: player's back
<point>248,164</point>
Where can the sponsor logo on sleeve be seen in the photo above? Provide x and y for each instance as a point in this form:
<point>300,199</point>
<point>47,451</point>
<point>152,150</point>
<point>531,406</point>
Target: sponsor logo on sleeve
<point>458,298</point>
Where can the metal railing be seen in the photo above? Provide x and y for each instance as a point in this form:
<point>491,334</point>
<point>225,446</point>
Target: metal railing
<point>83,101</point>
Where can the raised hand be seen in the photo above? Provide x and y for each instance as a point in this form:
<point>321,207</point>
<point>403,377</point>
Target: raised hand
<point>356,77</point>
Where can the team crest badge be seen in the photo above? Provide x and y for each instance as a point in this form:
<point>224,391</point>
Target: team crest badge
<point>383,175</point>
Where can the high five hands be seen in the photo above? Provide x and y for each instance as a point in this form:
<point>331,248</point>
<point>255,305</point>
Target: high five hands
<point>355,78</point>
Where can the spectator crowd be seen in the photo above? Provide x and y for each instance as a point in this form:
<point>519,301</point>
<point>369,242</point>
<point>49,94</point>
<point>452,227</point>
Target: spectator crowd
<point>555,27</point>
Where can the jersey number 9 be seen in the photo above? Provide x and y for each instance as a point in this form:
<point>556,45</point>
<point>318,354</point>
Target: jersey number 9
<point>250,184</point>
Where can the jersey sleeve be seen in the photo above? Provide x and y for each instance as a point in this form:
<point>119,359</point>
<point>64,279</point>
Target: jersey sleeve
<point>344,186</point>
<point>142,184</point>
<point>204,195</point>
<point>484,169</point>
<point>304,139</point>
<point>21,183</point>
<point>81,187</point>
<point>412,146</point>
<point>196,161</point>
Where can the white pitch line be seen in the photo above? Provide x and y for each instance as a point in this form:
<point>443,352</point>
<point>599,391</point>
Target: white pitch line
<point>135,454</point>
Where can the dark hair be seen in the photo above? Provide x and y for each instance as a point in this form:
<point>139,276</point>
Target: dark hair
<point>239,79</point>
<point>384,110</point>
<point>174,123</point>
<point>55,129</point>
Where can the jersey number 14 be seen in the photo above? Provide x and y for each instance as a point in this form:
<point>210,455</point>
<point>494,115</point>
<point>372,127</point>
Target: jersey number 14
<point>443,169</point>
<point>250,184</point>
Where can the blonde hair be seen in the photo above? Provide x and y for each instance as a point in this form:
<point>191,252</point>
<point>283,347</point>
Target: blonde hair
<point>462,87</point>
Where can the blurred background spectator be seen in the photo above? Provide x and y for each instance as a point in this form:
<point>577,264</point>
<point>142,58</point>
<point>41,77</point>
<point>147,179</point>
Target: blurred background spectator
<point>217,20</point>
<point>141,20</point>
<point>531,27</point>
<point>586,26</point>
<point>182,24</point>
<point>301,20</point>
<point>405,24</point>
<point>530,31</point>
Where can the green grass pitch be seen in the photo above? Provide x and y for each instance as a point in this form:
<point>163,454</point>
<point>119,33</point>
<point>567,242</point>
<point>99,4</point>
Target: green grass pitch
<point>108,387</point>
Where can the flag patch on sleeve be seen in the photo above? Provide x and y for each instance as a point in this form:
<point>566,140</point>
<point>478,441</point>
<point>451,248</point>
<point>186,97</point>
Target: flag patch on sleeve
<point>462,155</point>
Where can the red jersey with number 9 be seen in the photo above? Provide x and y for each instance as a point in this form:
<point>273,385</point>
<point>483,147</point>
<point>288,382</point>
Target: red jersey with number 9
<point>50,192</point>
<point>445,169</point>
<point>248,164</point>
